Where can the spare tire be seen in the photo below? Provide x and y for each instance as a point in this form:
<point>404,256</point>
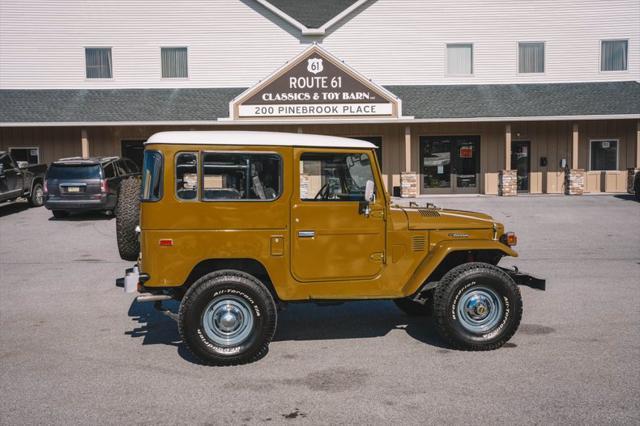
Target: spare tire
<point>127,218</point>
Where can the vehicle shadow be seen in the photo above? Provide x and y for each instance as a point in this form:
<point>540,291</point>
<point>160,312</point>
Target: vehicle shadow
<point>299,321</point>
<point>13,208</point>
<point>78,217</point>
<point>626,197</point>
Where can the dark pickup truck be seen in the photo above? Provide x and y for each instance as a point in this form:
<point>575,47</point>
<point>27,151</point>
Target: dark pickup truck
<point>18,179</point>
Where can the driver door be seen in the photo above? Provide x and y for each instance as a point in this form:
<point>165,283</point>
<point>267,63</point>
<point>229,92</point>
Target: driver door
<point>333,238</point>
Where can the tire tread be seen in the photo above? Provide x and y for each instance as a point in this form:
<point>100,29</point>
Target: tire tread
<point>441,306</point>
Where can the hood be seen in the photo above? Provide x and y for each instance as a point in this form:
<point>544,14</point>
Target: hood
<point>429,218</point>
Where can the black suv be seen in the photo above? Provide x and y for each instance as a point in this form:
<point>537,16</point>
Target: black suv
<point>82,184</point>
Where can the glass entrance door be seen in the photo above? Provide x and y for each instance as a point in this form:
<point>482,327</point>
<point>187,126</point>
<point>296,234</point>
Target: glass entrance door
<point>450,164</point>
<point>520,161</point>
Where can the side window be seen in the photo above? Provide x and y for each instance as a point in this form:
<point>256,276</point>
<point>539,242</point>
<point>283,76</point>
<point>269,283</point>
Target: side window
<point>151,176</point>
<point>239,176</point>
<point>334,177</point>
<point>120,167</point>
<point>187,175</point>
<point>131,166</point>
<point>109,171</point>
<point>5,162</point>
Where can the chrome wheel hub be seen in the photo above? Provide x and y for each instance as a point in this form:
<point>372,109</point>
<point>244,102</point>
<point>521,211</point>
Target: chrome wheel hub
<point>228,321</point>
<point>480,310</point>
<point>39,195</point>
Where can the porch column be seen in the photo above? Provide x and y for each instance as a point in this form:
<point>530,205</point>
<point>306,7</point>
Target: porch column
<point>508,180</point>
<point>85,143</point>
<point>635,168</point>
<point>574,147</point>
<point>638,144</point>
<point>574,178</point>
<point>408,179</point>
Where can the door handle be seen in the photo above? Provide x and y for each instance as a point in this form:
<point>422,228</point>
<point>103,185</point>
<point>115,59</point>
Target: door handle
<point>306,234</point>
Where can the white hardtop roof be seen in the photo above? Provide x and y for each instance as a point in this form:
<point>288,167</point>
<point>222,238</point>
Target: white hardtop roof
<point>247,138</point>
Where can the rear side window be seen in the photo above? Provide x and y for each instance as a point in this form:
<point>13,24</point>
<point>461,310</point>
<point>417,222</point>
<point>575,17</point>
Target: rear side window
<point>187,176</point>
<point>109,171</point>
<point>240,176</point>
<point>73,171</point>
<point>152,176</point>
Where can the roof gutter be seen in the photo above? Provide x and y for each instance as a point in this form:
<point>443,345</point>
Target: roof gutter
<point>298,122</point>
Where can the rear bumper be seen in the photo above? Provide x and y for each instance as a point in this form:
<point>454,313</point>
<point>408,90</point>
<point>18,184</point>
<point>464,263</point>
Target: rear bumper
<point>522,278</point>
<point>101,203</point>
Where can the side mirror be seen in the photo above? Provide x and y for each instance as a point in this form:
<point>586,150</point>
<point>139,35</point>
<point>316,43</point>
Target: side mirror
<point>22,164</point>
<point>369,191</point>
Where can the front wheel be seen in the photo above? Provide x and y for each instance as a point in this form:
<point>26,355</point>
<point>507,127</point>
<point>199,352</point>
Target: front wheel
<point>477,307</point>
<point>227,318</point>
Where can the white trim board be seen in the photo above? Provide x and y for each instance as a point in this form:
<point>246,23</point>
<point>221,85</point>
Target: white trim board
<point>403,120</point>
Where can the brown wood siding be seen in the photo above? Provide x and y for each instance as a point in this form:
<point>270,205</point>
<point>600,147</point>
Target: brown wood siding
<point>548,139</point>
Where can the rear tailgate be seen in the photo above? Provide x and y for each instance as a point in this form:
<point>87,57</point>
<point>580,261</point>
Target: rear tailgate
<point>74,181</point>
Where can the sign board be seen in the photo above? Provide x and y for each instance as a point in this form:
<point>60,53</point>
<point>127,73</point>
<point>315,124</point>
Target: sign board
<point>466,152</point>
<point>315,84</point>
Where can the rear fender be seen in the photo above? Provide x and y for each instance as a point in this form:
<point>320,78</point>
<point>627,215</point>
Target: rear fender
<point>442,250</point>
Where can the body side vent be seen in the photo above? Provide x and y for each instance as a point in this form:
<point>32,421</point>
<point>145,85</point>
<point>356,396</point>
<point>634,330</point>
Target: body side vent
<point>419,243</point>
<point>428,213</point>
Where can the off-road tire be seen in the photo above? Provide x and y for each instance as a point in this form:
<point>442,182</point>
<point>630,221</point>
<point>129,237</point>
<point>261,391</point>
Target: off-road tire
<point>234,284</point>
<point>127,218</point>
<point>462,278</point>
<point>36,198</point>
<point>414,309</point>
<point>59,214</point>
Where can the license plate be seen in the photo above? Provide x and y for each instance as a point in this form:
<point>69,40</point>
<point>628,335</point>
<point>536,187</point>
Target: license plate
<point>73,189</point>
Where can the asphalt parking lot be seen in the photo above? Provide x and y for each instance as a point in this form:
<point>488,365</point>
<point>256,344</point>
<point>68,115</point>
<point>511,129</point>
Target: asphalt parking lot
<point>74,349</point>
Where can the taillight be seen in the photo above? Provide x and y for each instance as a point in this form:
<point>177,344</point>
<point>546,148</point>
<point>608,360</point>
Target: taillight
<point>104,186</point>
<point>45,187</point>
<point>509,238</point>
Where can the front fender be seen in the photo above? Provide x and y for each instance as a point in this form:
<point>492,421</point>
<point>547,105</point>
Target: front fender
<point>442,250</point>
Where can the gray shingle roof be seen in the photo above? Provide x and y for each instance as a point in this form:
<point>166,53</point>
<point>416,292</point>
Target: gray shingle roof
<point>312,14</point>
<point>422,102</point>
<point>115,105</point>
<point>519,100</point>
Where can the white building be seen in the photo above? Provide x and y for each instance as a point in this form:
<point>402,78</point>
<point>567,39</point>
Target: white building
<point>461,96</point>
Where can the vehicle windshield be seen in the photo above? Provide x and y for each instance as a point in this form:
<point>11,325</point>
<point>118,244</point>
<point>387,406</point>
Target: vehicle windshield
<point>74,171</point>
<point>152,176</point>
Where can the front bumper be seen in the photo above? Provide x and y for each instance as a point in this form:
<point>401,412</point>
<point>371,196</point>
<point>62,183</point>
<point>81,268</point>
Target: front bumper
<point>522,278</point>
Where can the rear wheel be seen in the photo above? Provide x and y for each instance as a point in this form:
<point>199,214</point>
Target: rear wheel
<point>36,199</point>
<point>477,307</point>
<point>127,218</point>
<point>227,317</point>
<point>59,214</point>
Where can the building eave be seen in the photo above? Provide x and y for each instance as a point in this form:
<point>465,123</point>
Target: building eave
<point>298,122</point>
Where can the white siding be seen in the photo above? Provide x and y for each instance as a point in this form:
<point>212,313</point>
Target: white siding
<point>232,44</point>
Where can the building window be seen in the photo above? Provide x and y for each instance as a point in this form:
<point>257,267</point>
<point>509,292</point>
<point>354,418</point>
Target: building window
<point>174,62</point>
<point>613,55</point>
<point>530,57</point>
<point>604,155</point>
<point>459,59</point>
<point>31,154</point>
<point>98,61</point>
